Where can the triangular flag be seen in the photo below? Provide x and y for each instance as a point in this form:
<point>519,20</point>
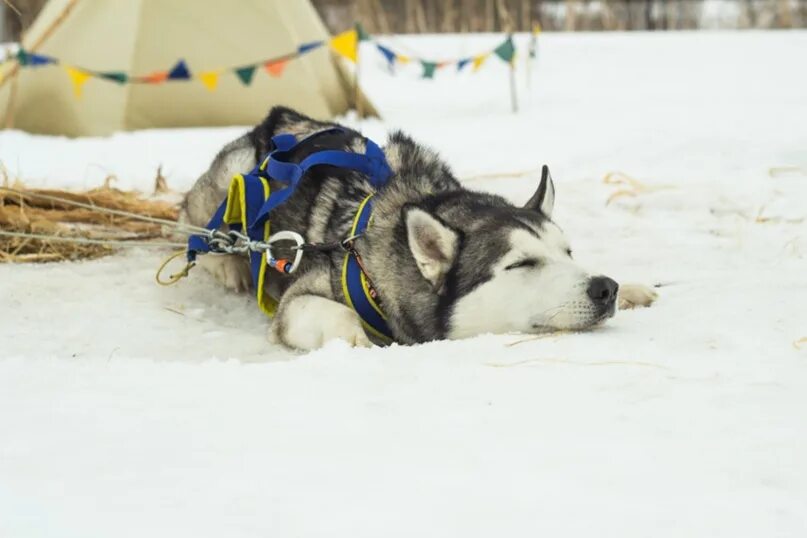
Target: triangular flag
<point>462,63</point>
<point>308,47</point>
<point>388,54</point>
<point>79,78</point>
<point>33,60</point>
<point>275,68</point>
<point>210,79</point>
<point>245,74</point>
<point>363,35</point>
<point>428,68</point>
<point>158,77</point>
<point>506,51</point>
<point>403,59</point>
<point>479,60</point>
<point>115,76</point>
<point>179,71</point>
<point>346,44</point>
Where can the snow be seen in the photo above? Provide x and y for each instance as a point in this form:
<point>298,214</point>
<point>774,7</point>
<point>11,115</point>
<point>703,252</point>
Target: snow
<point>129,409</point>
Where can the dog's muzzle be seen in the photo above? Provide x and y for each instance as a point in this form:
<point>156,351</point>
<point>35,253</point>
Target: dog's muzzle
<point>603,291</point>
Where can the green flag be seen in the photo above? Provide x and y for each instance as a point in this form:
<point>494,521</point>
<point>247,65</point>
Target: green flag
<point>115,76</point>
<point>506,51</point>
<point>22,57</point>
<point>245,74</point>
<point>428,68</point>
<point>361,32</point>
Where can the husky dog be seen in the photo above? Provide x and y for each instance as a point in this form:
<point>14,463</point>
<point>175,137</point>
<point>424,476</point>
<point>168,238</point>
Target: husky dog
<point>446,262</point>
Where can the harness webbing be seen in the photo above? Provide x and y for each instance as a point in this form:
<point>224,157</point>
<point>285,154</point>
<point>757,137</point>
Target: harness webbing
<point>245,196</point>
<point>357,288</point>
<point>250,201</point>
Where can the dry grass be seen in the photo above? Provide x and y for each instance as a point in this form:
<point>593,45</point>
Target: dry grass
<point>22,211</point>
<point>629,187</point>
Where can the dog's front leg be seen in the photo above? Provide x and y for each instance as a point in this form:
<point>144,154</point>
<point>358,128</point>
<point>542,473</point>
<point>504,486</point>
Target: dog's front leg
<point>231,270</point>
<point>308,316</point>
<point>633,295</point>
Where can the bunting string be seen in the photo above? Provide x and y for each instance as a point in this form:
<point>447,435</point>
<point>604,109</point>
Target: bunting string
<point>350,40</point>
<point>79,76</point>
<point>346,44</point>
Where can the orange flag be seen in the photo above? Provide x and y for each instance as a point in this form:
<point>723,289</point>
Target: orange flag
<point>157,77</point>
<point>275,68</point>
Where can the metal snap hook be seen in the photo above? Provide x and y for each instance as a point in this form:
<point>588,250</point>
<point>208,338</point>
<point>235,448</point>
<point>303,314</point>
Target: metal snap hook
<point>282,265</point>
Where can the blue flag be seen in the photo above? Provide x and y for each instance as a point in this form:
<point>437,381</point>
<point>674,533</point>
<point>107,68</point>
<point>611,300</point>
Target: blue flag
<point>31,59</point>
<point>388,54</point>
<point>307,47</point>
<point>179,72</point>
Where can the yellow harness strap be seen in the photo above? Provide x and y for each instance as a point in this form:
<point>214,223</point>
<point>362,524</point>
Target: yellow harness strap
<point>235,212</point>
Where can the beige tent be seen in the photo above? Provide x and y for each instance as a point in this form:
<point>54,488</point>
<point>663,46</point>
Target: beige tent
<point>143,36</point>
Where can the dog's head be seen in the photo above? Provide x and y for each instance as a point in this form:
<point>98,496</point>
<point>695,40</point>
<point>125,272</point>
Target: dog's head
<point>499,268</point>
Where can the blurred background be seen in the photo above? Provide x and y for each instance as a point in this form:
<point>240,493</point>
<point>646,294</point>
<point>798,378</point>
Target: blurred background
<point>432,16</point>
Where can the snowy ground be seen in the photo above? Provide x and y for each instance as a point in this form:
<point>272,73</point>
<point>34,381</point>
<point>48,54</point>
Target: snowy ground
<point>129,410</point>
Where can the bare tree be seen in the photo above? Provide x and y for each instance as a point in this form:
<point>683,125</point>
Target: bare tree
<point>481,15</point>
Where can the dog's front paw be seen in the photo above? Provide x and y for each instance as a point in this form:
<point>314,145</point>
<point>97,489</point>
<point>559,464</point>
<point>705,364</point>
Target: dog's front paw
<point>309,322</point>
<point>230,270</point>
<point>633,295</point>
<point>346,327</point>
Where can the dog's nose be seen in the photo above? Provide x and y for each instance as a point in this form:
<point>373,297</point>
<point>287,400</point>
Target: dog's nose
<point>602,290</point>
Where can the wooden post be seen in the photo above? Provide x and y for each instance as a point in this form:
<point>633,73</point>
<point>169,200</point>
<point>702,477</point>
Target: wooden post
<point>507,25</point>
<point>529,58</point>
<point>513,96</point>
<point>357,87</point>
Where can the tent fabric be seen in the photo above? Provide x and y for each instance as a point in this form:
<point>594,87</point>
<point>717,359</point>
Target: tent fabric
<point>146,36</point>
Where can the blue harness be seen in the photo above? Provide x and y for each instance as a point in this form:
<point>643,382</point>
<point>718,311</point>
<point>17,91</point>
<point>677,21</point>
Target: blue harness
<point>250,201</point>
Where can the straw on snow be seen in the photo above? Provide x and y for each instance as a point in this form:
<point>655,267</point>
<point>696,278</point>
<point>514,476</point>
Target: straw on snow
<point>23,210</point>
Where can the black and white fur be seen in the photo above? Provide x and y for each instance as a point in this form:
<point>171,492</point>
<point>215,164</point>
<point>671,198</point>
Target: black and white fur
<point>447,262</point>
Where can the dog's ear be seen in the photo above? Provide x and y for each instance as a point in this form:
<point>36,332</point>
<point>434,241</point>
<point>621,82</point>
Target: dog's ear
<point>433,244</point>
<point>544,198</point>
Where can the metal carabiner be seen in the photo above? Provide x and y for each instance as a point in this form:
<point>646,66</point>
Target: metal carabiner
<point>284,266</point>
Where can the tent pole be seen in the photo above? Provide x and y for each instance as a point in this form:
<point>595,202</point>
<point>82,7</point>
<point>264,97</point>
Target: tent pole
<point>9,123</point>
<point>44,37</point>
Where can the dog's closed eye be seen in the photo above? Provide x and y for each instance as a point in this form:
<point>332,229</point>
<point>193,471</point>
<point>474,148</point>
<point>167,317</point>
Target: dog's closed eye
<point>525,263</point>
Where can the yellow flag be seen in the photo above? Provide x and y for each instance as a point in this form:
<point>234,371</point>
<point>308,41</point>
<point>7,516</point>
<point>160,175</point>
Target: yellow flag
<point>403,58</point>
<point>536,29</point>
<point>210,79</point>
<point>79,78</point>
<point>347,44</point>
<point>479,60</point>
